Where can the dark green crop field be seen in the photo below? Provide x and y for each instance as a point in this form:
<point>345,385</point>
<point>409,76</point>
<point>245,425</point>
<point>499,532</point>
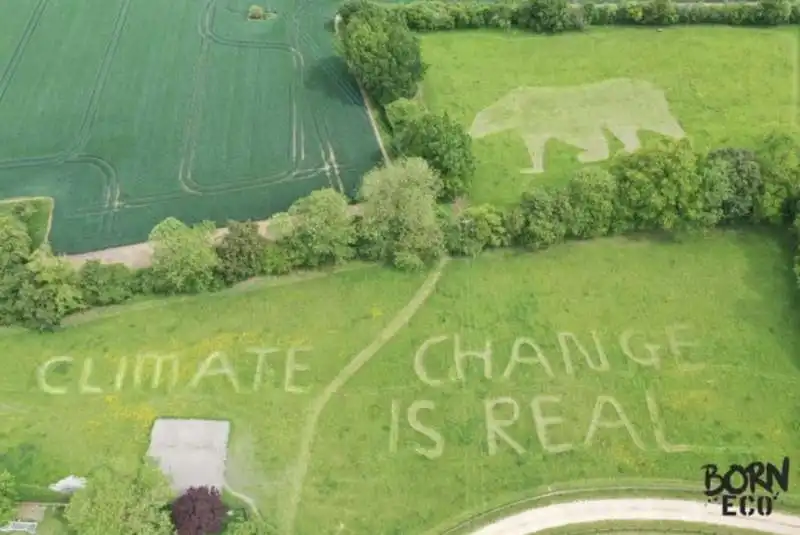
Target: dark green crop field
<point>128,112</point>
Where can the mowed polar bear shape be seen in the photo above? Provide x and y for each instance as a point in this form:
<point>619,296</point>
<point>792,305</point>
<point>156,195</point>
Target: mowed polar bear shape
<point>577,115</point>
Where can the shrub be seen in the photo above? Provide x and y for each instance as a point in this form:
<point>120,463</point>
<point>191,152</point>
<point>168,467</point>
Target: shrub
<point>540,219</point>
<point>383,54</point>
<point>546,16</point>
<point>591,193</point>
<point>401,112</point>
<point>475,229</point>
<point>777,156</point>
<point>278,260</point>
<point>318,229</point>
<point>8,497</point>
<point>399,205</point>
<point>255,12</point>
<point>184,260</point>
<point>118,501</point>
<point>444,144</point>
<point>659,12</point>
<point>105,284</point>
<point>240,252</point>
<point>658,188</point>
<point>145,281</point>
<point>15,243</point>
<point>199,511</point>
<point>741,171</point>
<point>774,12</point>
<point>367,243</point>
<point>44,292</point>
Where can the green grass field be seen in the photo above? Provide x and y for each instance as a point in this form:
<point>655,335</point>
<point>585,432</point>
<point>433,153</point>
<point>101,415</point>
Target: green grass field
<point>730,294</point>
<point>726,86</point>
<point>126,112</point>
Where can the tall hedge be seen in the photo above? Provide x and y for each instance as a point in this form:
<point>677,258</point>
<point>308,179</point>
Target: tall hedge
<point>552,16</point>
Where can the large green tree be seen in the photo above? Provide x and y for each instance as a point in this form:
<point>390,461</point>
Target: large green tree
<point>119,501</point>
<point>383,54</point>
<point>241,252</point>
<point>47,291</point>
<point>317,229</point>
<point>660,187</point>
<point>440,140</point>
<point>183,257</point>
<point>399,220</point>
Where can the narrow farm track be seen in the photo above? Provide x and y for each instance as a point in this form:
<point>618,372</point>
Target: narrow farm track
<point>647,509</point>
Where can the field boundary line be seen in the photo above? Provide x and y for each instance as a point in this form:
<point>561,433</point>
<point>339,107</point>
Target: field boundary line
<point>367,102</point>
<point>22,44</point>
<point>400,320</point>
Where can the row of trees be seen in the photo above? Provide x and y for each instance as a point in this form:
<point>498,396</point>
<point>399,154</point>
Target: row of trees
<point>665,186</point>
<point>554,16</point>
<point>139,501</point>
<point>385,57</point>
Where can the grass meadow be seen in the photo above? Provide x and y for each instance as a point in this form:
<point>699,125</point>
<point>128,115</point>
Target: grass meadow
<point>729,296</point>
<point>726,86</point>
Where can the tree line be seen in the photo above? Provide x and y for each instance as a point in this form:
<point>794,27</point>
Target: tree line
<point>120,500</point>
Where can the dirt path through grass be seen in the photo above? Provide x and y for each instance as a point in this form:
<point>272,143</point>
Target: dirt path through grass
<point>356,363</point>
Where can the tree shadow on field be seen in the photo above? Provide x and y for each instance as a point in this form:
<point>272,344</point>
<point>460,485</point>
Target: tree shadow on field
<point>330,77</point>
<point>765,283</point>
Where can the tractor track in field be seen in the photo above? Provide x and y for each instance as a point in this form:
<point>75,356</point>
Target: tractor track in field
<point>90,114</point>
<point>22,44</point>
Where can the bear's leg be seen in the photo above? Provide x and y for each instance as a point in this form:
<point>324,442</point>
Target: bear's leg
<point>535,144</point>
<point>594,145</point>
<point>628,136</point>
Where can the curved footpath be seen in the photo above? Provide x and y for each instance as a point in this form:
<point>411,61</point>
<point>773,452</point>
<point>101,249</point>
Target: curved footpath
<point>647,509</point>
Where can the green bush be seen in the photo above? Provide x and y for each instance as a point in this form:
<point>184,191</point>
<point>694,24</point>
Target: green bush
<point>402,112</point>
<point>184,260</point>
<point>399,206</point>
<point>145,282</point>
<point>317,229</point>
<point>442,142</point>
<point>779,161</point>
<point>659,13</point>
<point>659,188</point>
<point>278,260</point>
<point>548,16</point>
<point>741,172</point>
<point>774,12</point>
<point>240,252</point>
<point>540,220</point>
<point>44,292</point>
<point>105,284</point>
<point>592,192</point>
<point>475,229</point>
